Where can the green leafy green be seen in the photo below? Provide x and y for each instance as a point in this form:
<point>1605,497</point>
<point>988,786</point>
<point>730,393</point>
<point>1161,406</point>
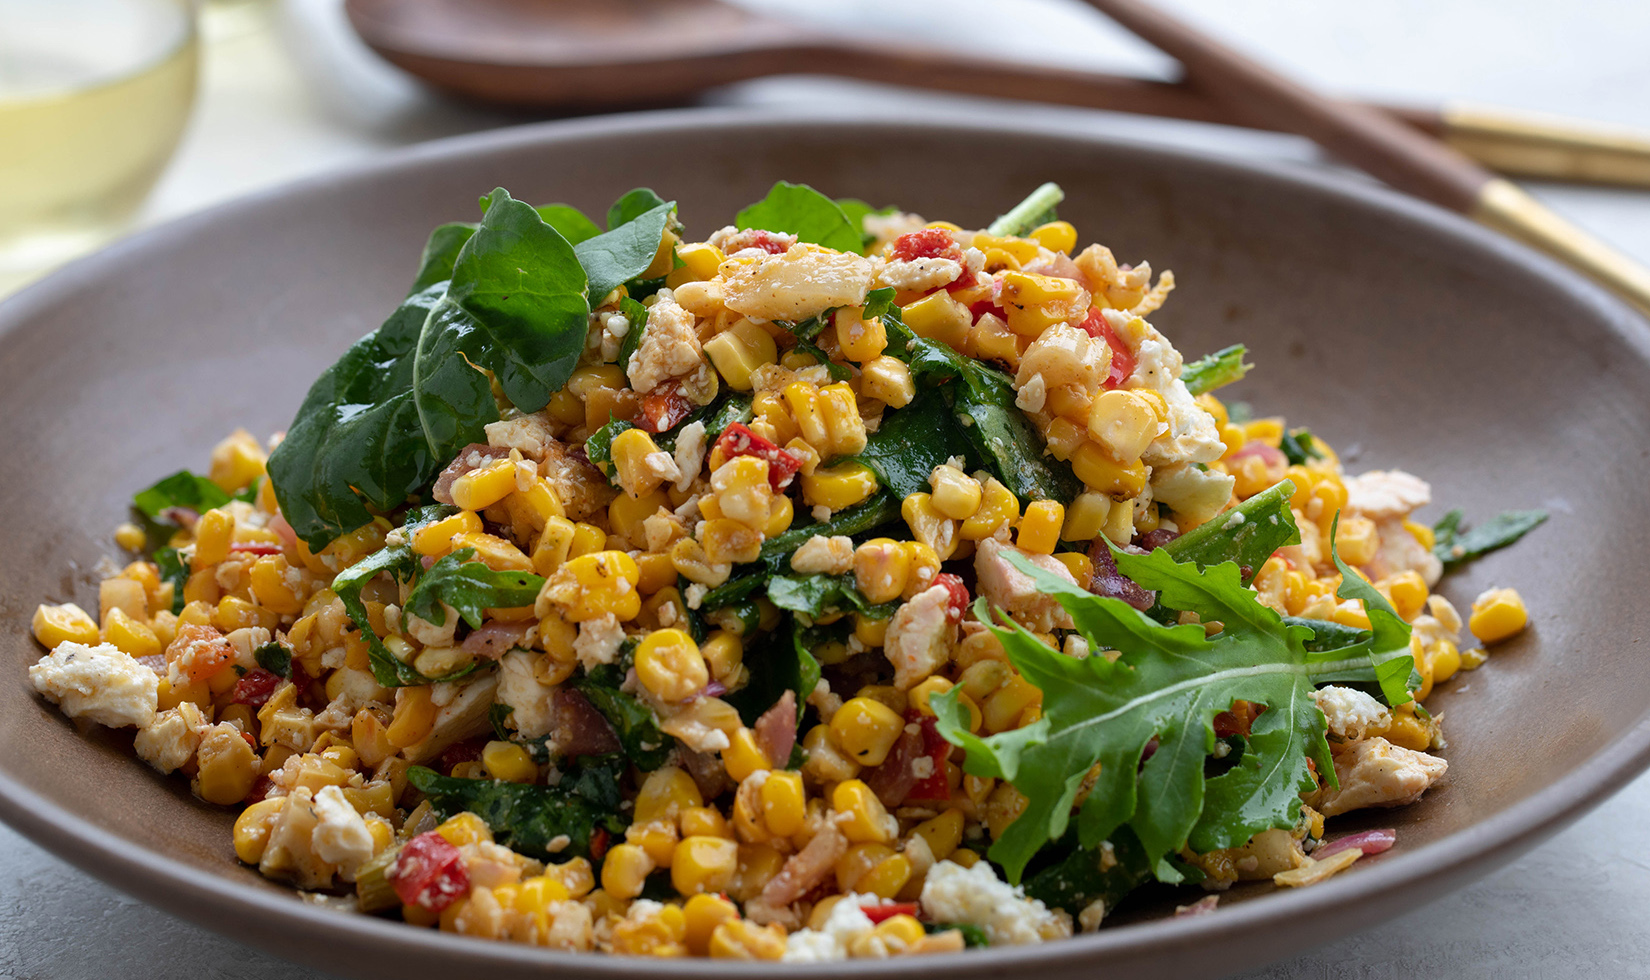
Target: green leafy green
<point>857,211</point>
<point>497,716</point>
<point>1454,546</point>
<point>527,818</point>
<point>598,448</point>
<point>973,936</point>
<point>1247,534</point>
<point>613,258</point>
<point>1087,874</point>
<point>837,371</point>
<point>819,594</point>
<point>799,210</point>
<point>460,581</point>
<point>632,205</point>
<point>784,662</point>
<point>569,221</point>
<point>440,252</point>
<point>633,721</point>
<point>274,658</point>
<point>1036,209</point>
<point>1298,447</point>
<point>912,441</point>
<point>1167,684</point>
<point>172,569</point>
<point>636,313</point>
<point>181,489</point>
<point>1212,371</point>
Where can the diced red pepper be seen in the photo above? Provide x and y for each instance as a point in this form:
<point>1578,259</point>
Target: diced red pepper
<point>429,873</point>
<point>929,243</point>
<point>738,440</point>
<point>767,241</point>
<point>255,687</point>
<point>598,843</point>
<point>663,408</point>
<point>882,913</point>
<point>980,308</point>
<point>1122,359</point>
<point>256,547</point>
<point>1238,719</point>
<point>935,748</point>
<point>959,595</point>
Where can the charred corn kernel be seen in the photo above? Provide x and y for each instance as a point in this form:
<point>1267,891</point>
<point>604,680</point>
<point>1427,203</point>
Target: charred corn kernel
<point>1085,517</point>
<point>956,494</point>
<point>839,487</point>
<point>869,631</point>
<point>1409,732</point>
<point>494,552</point>
<point>666,792</point>
<point>1497,615</point>
<point>730,542</point>
<point>840,411</point>
<point>861,815</point>
<point>881,567</point>
<point>1356,540</point>
<point>277,585</point>
<point>739,350</point>
<point>742,939</point>
<point>130,636</point>
<point>887,379</point>
<point>554,544</point>
<point>690,560</point>
<point>624,870</point>
<point>1407,592</point>
<point>1105,475</point>
<point>943,833</point>
<point>938,316</point>
<point>1056,236</point>
<point>859,859</point>
<point>414,717</point>
<point>130,537</point>
<point>66,623</point>
<point>1002,710</point>
<point>1423,534</point>
<point>784,803</point>
<point>703,913</point>
<point>803,401</point>
<point>228,767</point>
<point>1124,423</point>
<point>1034,302</point>
<point>212,535</point>
<point>999,507</point>
<point>859,340</point>
<point>252,828</point>
<point>826,763</point>
<point>743,756</point>
<point>669,665</point>
<point>886,878</point>
<point>509,762</point>
<point>465,828</point>
<point>638,462</point>
<point>723,653</point>
<point>588,539</point>
<point>1078,564</point>
<point>626,514</point>
<point>435,538</point>
<point>595,585</point>
<point>1040,527</point>
<point>484,487</point>
<point>866,730</point>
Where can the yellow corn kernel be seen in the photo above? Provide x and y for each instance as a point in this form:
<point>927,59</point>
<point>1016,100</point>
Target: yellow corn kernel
<point>703,913</point>
<point>228,767</point>
<point>484,487</point>
<point>435,538</point>
<point>840,412</point>
<point>803,401</point>
<point>414,717</point>
<point>1269,431</point>
<point>730,542</point>
<point>881,567</point>
<point>1086,516</point>
<point>509,762</point>
<point>656,573</point>
<point>866,730</point>
<point>886,878</point>
<point>665,793</point>
<point>595,585</point>
<point>839,487</point>
<point>1232,436</point>
<point>859,340</point>
<point>638,462</point>
<point>956,494</point>
<point>689,558</point>
<point>1068,401</point>
<point>1002,710</point>
<point>943,833</point>
<point>1064,437</point>
<point>1040,527</point>
<point>1123,423</point>
<point>212,537</point>
<point>1034,303</point>
<point>1105,475</point>
<point>742,939</point>
<point>537,504</point>
<point>234,613</point>
<point>784,803</point>
<point>252,829</point>
<point>739,350</point>
<point>624,870</point>
<point>826,764</point>
<point>938,316</point>
<point>1445,661</point>
<point>657,839</point>
<point>1356,540</point>
<point>888,380</point>
<point>129,635</point>
<point>861,815</point>
<point>870,631</point>
<point>130,537</point>
<point>999,507</point>
<point>1056,236</point>
<point>554,545</point>
<point>743,757</point>
<point>587,540</point>
<point>277,586</point>
<point>1407,591</point>
<point>576,876</point>
<point>699,262</point>
<point>925,565</point>
<point>536,894</point>
<point>723,653</point>
<point>1409,732</point>
<point>464,828</point>
<point>66,623</point>
<point>626,514</point>
<point>859,859</point>
<point>743,492</point>
<point>494,552</point>
<point>1078,564</point>
<point>669,665</point>
<point>780,515</point>
<point>1422,533</point>
<point>704,821</point>
<point>991,340</point>
<point>1497,615</point>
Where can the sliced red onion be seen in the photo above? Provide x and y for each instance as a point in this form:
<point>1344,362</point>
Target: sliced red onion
<point>1153,540</point>
<point>494,640</point>
<point>1368,841</point>
<point>1270,455</point>
<point>776,730</point>
<point>1110,582</point>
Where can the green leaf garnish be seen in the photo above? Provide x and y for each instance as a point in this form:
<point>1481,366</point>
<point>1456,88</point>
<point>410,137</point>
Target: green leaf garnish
<point>471,588</point>
<point>1212,371</point>
<point>799,210</point>
<point>1454,546</point>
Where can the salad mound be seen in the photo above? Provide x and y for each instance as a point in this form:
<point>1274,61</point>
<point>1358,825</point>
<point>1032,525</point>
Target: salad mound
<point>844,584</point>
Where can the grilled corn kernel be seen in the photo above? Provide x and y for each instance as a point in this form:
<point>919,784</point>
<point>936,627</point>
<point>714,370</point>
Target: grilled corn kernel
<point>826,763</point>
<point>624,870</point>
<point>840,412</point>
<point>741,939</point>
<point>690,560</point>
<point>591,586</point>
<point>859,340</point>
<point>626,514</point>
<point>665,793</point>
<point>929,525</point>
<point>638,462</point>
<point>784,803</point>
<point>130,636</point>
<point>938,316</point>
<point>1040,527</point>
<point>699,262</point>
<point>999,507</point>
<point>739,350</point>
<point>414,717</point>
<point>1445,661</point>
<point>956,494</point>
<point>743,492</point>
<point>66,623</point>
<point>1078,564</point>
<point>669,665</point>
<point>587,540</point>
<point>1407,591</point>
<point>1104,475</point>
<point>277,586</point>
<point>1085,517</point>
<point>743,756</point>
<point>703,913</point>
<point>887,380</point>
<point>212,537</point>
<point>1002,710</point>
<point>228,766</point>
<point>881,567</point>
<point>866,730</point>
<point>494,552</point>
<point>482,488</point>
<point>859,859</point>
<point>723,653</point>
<point>943,833</point>
<point>509,762</point>
<point>1497,615</point>
<point>861,815</point>
<point>554,545</point>
<point>758,863</point>
<point>252,828</point>
<point>730,542</point>
<point>1356,540</point>
<point>435,538</point>
<point>886,878</point>
<point>1123,423</point>
<point>839,487</point>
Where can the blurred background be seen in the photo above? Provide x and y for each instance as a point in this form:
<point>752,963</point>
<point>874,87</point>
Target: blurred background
<point>116,115</point>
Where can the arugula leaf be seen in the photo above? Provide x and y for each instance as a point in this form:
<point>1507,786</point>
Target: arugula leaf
<point>172,569</point>
<point>1247,534</point>
<point>633,721</point>
<point>1454,546</point>
<point>1036,209</point>
<point>181,489</point>
<point>569,221</point>
<point>515,312</point>
<point>857,211</point>
<point>787,663</point>
<point>799,210</point>
<point>471,588</point>
<point>440,252</point>
<point>636,313</point>
<point>274,658</point>
<point>1212,371</point>
<point>819,594</point>
<point>632,205</point>
<point>1088,874</point>
<point>357,445</point>
<point>1168,683</point>
<point>1298,447</point>
<point>527,818</point>
<point>613,258</point>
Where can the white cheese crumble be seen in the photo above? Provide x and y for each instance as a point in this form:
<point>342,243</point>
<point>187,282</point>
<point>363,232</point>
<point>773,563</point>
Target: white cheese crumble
<point>598,641</point>
<point>1351,713</point>
<point>101,684</point>
<point>846,923</point>
<point>976,896</point>
<point>340,836</point>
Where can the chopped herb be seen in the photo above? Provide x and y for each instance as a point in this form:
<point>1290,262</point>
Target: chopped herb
<point>274,658</point>
<point>1215,370</point>
<point>1453,546</point>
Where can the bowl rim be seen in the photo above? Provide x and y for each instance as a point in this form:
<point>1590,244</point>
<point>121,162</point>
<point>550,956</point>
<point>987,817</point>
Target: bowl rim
<point>265,917</point>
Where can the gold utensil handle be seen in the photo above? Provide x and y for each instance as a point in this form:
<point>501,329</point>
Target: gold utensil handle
<point>1504,206</point>
<point>1548,147</point>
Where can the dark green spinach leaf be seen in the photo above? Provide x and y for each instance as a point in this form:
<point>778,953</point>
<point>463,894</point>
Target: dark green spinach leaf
<point>857,211</point>
<point>274,658</point>
<point>1105,873</point>
<point>799,210</point>
<point>613,258</point>
<point>819,594</point>
<point>173,569</point>
<point>780,661</point>
<point>569,221</point>
<point>631,205</point>
<point>460,581</point>
<point>1298,447</point>
<point>181,489</point>
<point>1454,546</point>
<point>633,721</point>
<point>529,819</point>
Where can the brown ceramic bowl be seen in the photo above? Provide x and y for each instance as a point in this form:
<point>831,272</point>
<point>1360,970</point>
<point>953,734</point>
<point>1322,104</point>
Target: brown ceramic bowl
<point>1405,336</point>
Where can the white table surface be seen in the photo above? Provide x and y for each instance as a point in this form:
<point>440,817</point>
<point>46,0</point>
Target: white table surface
<point>288,91</point>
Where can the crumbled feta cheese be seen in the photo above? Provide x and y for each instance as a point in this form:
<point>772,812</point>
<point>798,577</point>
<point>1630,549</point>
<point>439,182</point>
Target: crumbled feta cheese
<point>1032,395</point>
<point>1351,713</point>
<point>920,636</point>
<point>98,683</point>
<point>669,348</point>
<point>976,896</point>
<point>690,454</point>
<point>695,595</point>
<point>340,836</point>
<point>172,738</point>
<point>531,712</point>
<point>598,641</point>
<point>846,923</point>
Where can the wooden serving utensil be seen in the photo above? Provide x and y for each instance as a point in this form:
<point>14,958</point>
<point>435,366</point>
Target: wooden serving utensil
<point>578,55</point>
